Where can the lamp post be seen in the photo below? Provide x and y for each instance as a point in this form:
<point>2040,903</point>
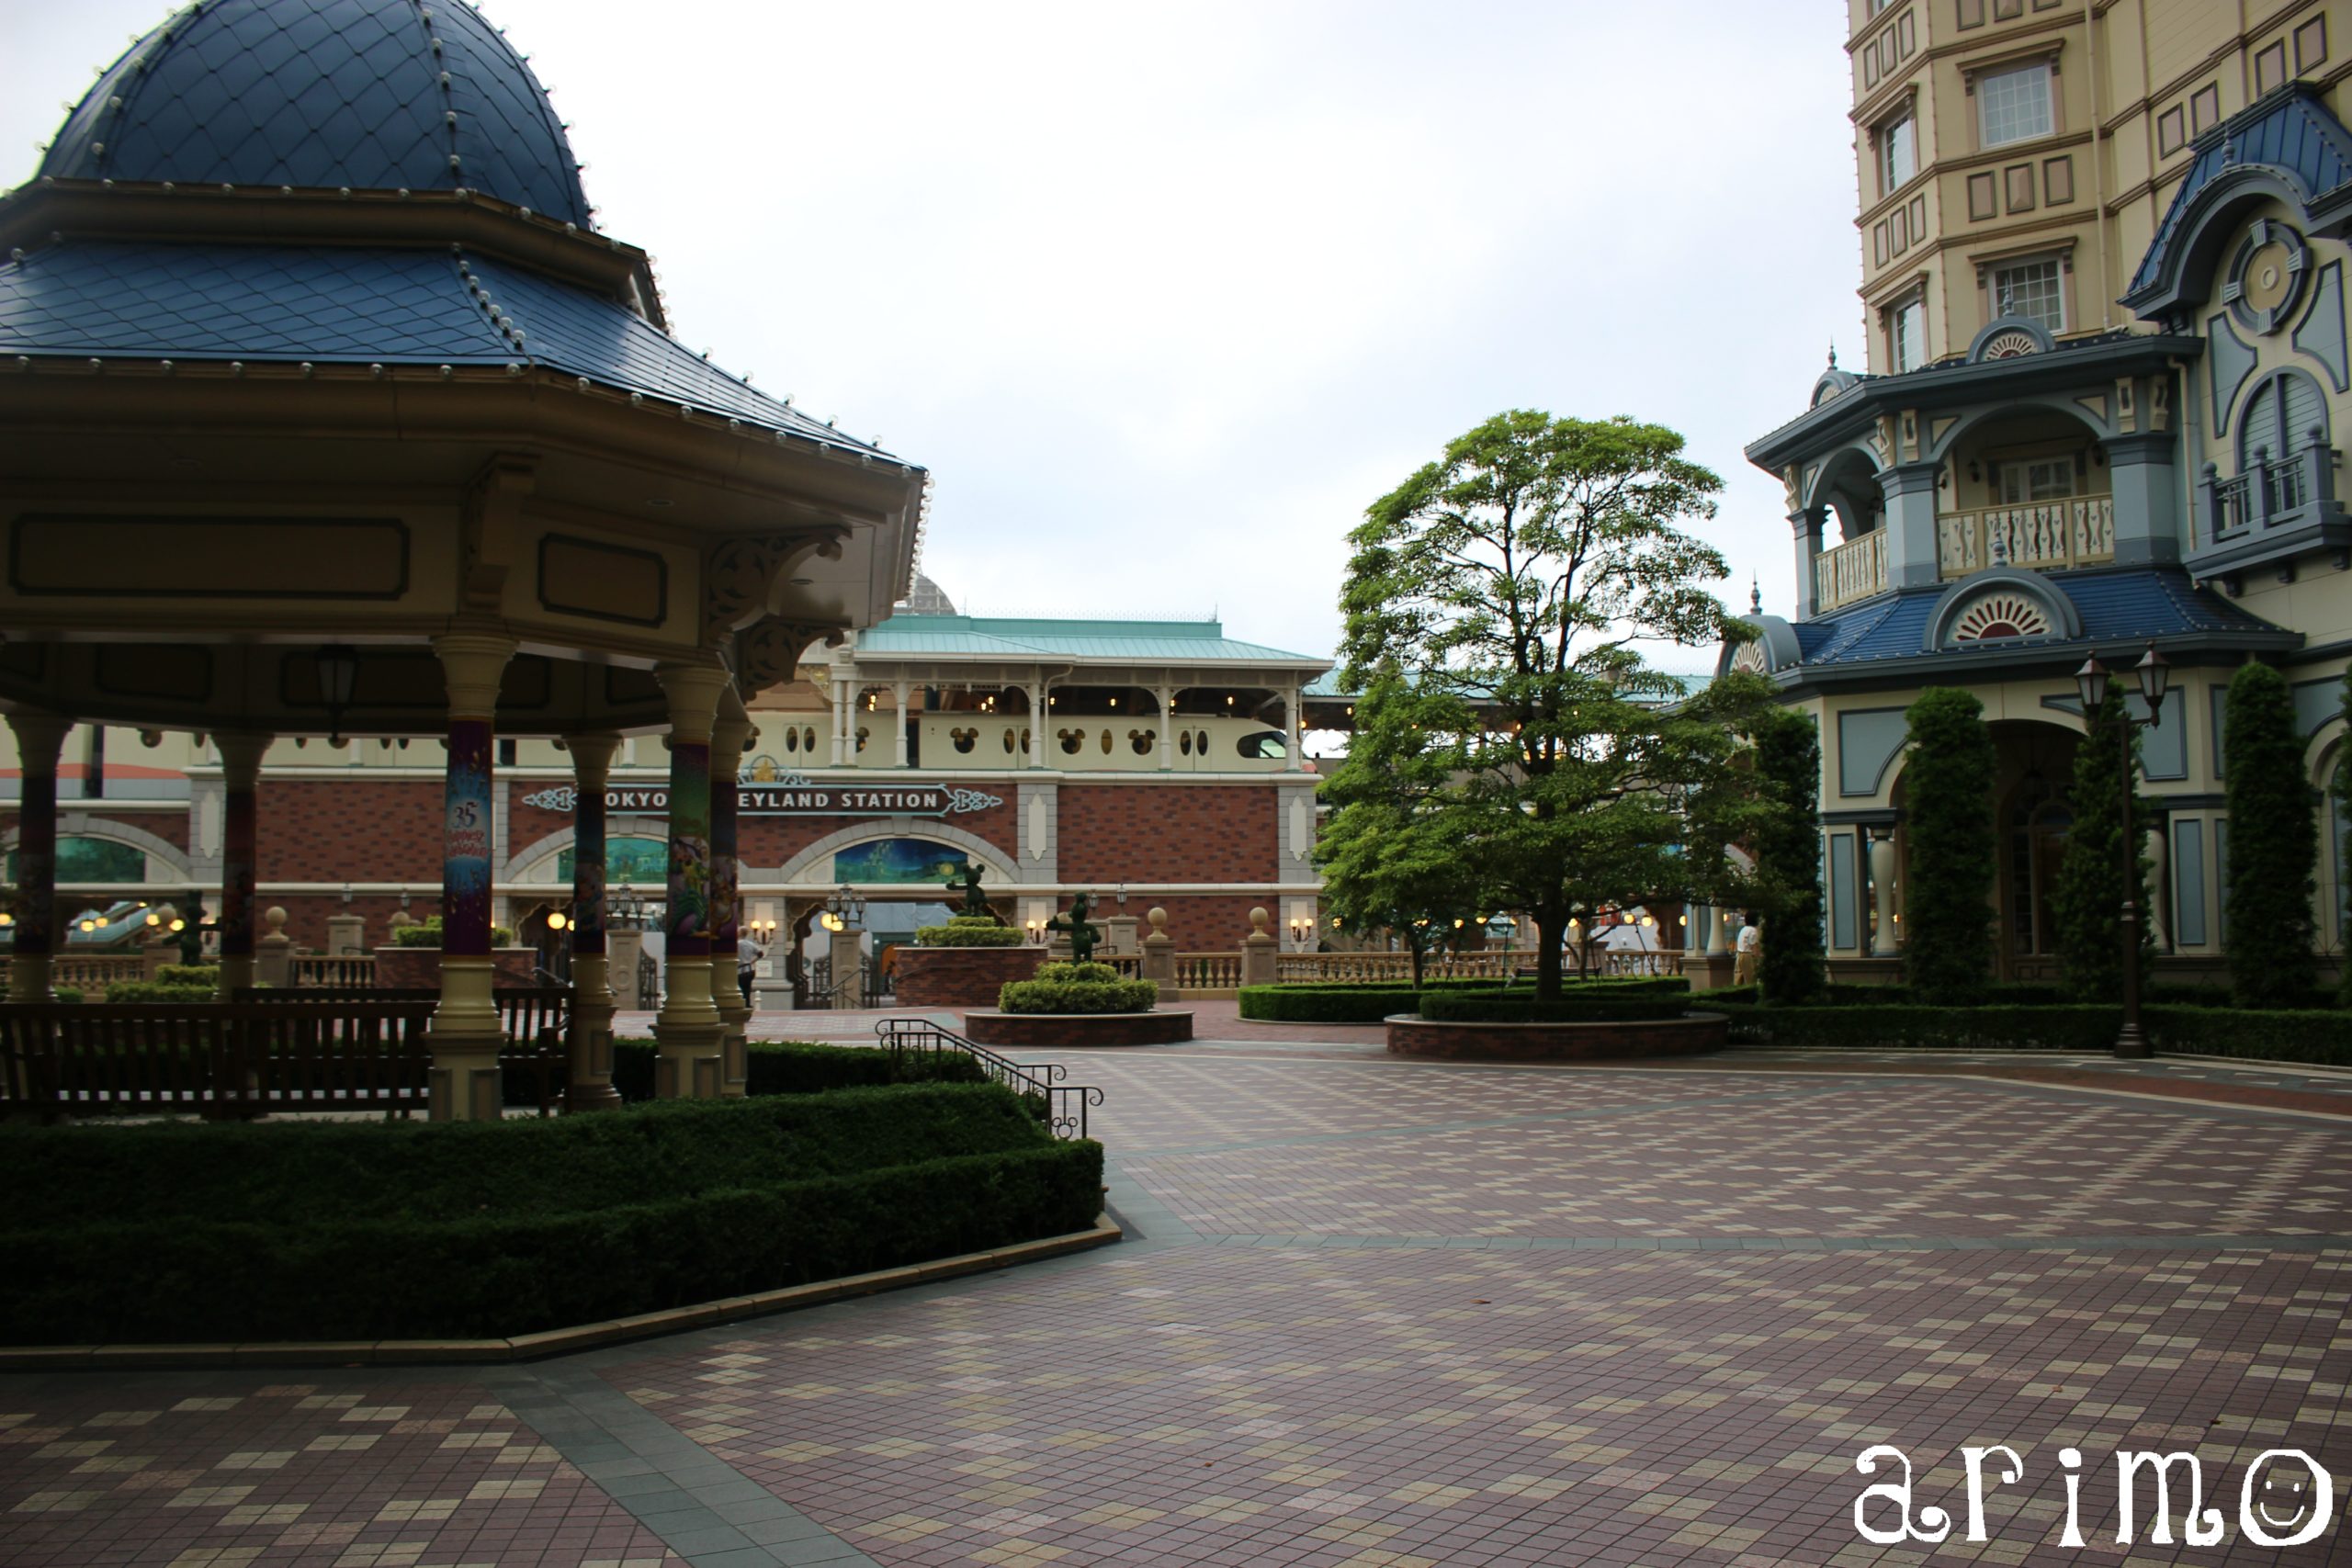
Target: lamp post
<point>2091,681</point>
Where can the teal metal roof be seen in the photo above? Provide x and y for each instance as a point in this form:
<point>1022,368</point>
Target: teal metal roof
<point>1013,639</point>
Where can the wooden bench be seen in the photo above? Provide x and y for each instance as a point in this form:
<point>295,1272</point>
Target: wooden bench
<point>536,1021</point>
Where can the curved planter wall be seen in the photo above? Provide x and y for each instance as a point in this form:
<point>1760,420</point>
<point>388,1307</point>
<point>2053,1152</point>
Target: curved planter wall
<point>1079,1028</point>
<point>961,977</point>
<point>1409,1035</point>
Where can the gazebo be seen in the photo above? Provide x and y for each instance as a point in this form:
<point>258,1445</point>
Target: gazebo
<point>329,411</point>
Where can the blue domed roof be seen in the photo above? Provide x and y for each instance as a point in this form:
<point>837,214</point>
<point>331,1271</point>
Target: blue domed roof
<point>379,94</point>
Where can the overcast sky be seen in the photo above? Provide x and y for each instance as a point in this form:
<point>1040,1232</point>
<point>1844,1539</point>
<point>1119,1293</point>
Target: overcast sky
<point>1165,295</point>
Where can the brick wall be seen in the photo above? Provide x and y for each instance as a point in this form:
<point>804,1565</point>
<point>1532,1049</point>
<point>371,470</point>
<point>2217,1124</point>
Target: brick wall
<point>350,829</point>
<point>1137,833</point>
<point>961,977</point>
<point>1208,924</point>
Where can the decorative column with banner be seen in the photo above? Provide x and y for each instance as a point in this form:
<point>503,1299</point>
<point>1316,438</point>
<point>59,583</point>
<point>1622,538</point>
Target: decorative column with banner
<point>38,736</point>
<point>727,738</point>
<point>688,1033</point>
<point>465,1031</point>
<point>590,1085</point>
<point>240,826</point>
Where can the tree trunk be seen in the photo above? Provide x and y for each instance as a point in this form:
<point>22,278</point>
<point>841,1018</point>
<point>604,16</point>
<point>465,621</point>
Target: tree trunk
<point>1549,924</point>
<point>1417,962</point>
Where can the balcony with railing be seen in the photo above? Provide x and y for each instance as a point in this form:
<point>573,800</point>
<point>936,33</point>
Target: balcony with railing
<point>1851,571</point>
<point>2046,536</point>
<point>2274,509</point>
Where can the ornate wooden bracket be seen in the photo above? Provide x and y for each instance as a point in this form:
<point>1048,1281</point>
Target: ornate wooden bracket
<point>739,575</point>
<point>768,651</point>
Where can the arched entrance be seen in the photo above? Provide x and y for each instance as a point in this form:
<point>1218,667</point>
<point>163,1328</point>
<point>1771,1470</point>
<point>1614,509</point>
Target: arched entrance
<point>2033,815</point>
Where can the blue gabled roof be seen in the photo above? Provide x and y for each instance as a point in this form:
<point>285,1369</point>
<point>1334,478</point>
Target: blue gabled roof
<point>328,305</point>
<point>376,95</point>
<point>2289,131</point>
<point>2134,603</point>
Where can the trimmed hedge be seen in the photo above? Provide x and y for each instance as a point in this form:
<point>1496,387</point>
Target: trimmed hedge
<point>1369,1002</point>
<point>366,1230</point>
<point>969,931</point>
<point>1521,1007</point>
<point>157,991</point>
<point>205,975</point>
<point>2315,1037</point>
<point>783,1068</point>
<point>1058,996</point>
<point>427,933</point>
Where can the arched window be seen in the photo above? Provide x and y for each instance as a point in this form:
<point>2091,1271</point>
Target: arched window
<point>2279,417</point>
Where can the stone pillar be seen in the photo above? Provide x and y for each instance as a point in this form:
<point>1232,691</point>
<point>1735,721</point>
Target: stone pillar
<point>622,949</point>
<point>274,954</point>
<point>1159,955</point>
<point>589,1080</point>
<point>726,738</point>
<point>1719,931</point>
<point>2147,498</point>
<point>1166,695</point>
<point>1883,894</point>
<point>1037,720</point>
<point>38,737</point>
<point>1804,527</point>
<point>346,934</point>
<point>240,822</point>
<point>465,1032</point>
<point>689,1031</point>
<point>1258,951</point>
<point>2159,925</point>
<point>844,954</point>
<point>1296,761</point>
<point>899,746</point>
<point>1910,490</point>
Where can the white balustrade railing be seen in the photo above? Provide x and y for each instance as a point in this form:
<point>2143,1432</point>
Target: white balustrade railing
<point>2075,532</point>
<point>1208,971</point>
<point>1855,569</point>
<point>344,969</point>
<point>1327,968</point>
<point>93,972</point>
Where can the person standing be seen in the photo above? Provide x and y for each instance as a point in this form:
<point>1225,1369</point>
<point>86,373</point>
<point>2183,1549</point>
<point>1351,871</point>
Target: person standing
<point>1749,950</point>
<point>747,955</point>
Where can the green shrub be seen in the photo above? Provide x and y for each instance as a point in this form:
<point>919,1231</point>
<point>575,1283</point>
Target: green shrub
<point>2266,920</point>
<point>1369,1002</point>
<point>2316,1037</point>
<point>1065,995</point>
<point>427,933</point>
<point>967,931</point>
<point>783,1067</point>
<point>205,975</point>
<point>2110,825</point>
<point>1949,779</point>
<point>427,1230</point>
<point>156,991</point>
<point>1518,1007</point>
<point>1788,856</point>
<point>65,994</point>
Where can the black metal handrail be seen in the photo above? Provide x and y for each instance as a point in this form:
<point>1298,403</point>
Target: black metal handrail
<point>1066,1103</point>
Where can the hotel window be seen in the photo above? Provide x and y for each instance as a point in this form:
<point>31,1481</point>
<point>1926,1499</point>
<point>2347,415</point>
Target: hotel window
<point>2043,479</point>
<point>2014,105</point>
<point>2270,67</point>
<point>1906,333</point>
<point>2172,132</point>
<point>2311,43</point>
<point>2204,108</point>
<point>2032,289</point>
<point>1899,153</point>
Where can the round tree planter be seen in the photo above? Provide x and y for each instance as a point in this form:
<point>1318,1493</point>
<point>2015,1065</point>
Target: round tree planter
<point>961,977</point>
<point>1079,1029</point>
<point>1409,1035</point>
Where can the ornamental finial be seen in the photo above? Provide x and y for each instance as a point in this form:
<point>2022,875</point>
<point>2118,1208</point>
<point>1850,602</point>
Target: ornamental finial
<point>1755,597</point>
<point>1833,354</point>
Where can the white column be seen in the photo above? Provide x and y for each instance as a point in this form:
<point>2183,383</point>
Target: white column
<point>844,713</point>
<point>1166,695</point>
<point>1719,929</point>
<point>898,751</point>
<point>1297,747</point>
<point>1037,720</point>
<point>1883,895</point>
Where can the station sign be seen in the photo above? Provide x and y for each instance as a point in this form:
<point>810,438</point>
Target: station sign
<point>796,797</point>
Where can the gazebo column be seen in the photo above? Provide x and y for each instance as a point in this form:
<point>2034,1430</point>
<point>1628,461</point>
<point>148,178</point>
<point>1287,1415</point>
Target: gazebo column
<point>240,823</point>
<point>465,1033</point>
<point>39,737</point>
<point>688,1032</point>
<point>591,1046</point>
<point>727,738</point>
<point>1166,695</point>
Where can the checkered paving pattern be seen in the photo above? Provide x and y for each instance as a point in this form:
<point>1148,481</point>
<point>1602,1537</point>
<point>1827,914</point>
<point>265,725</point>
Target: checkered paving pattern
<point>406,1475</point>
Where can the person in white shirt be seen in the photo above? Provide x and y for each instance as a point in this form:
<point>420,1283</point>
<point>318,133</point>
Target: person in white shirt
<point>747,955</point>
<point>1749,946</point>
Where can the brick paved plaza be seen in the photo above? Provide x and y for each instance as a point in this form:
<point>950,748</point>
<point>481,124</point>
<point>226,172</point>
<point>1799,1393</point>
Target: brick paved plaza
<point>1381,1314</point>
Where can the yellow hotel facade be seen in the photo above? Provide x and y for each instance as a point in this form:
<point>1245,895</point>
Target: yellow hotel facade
<point>2103,253</point>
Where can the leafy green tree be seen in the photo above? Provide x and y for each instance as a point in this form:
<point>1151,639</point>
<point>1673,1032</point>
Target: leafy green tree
<point>1389,862</point>
<point>2274,842</point>
<point>1947,791</point>
<point>2086,905</point>
<point>1496,604</point>
<point>1787,843</point>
